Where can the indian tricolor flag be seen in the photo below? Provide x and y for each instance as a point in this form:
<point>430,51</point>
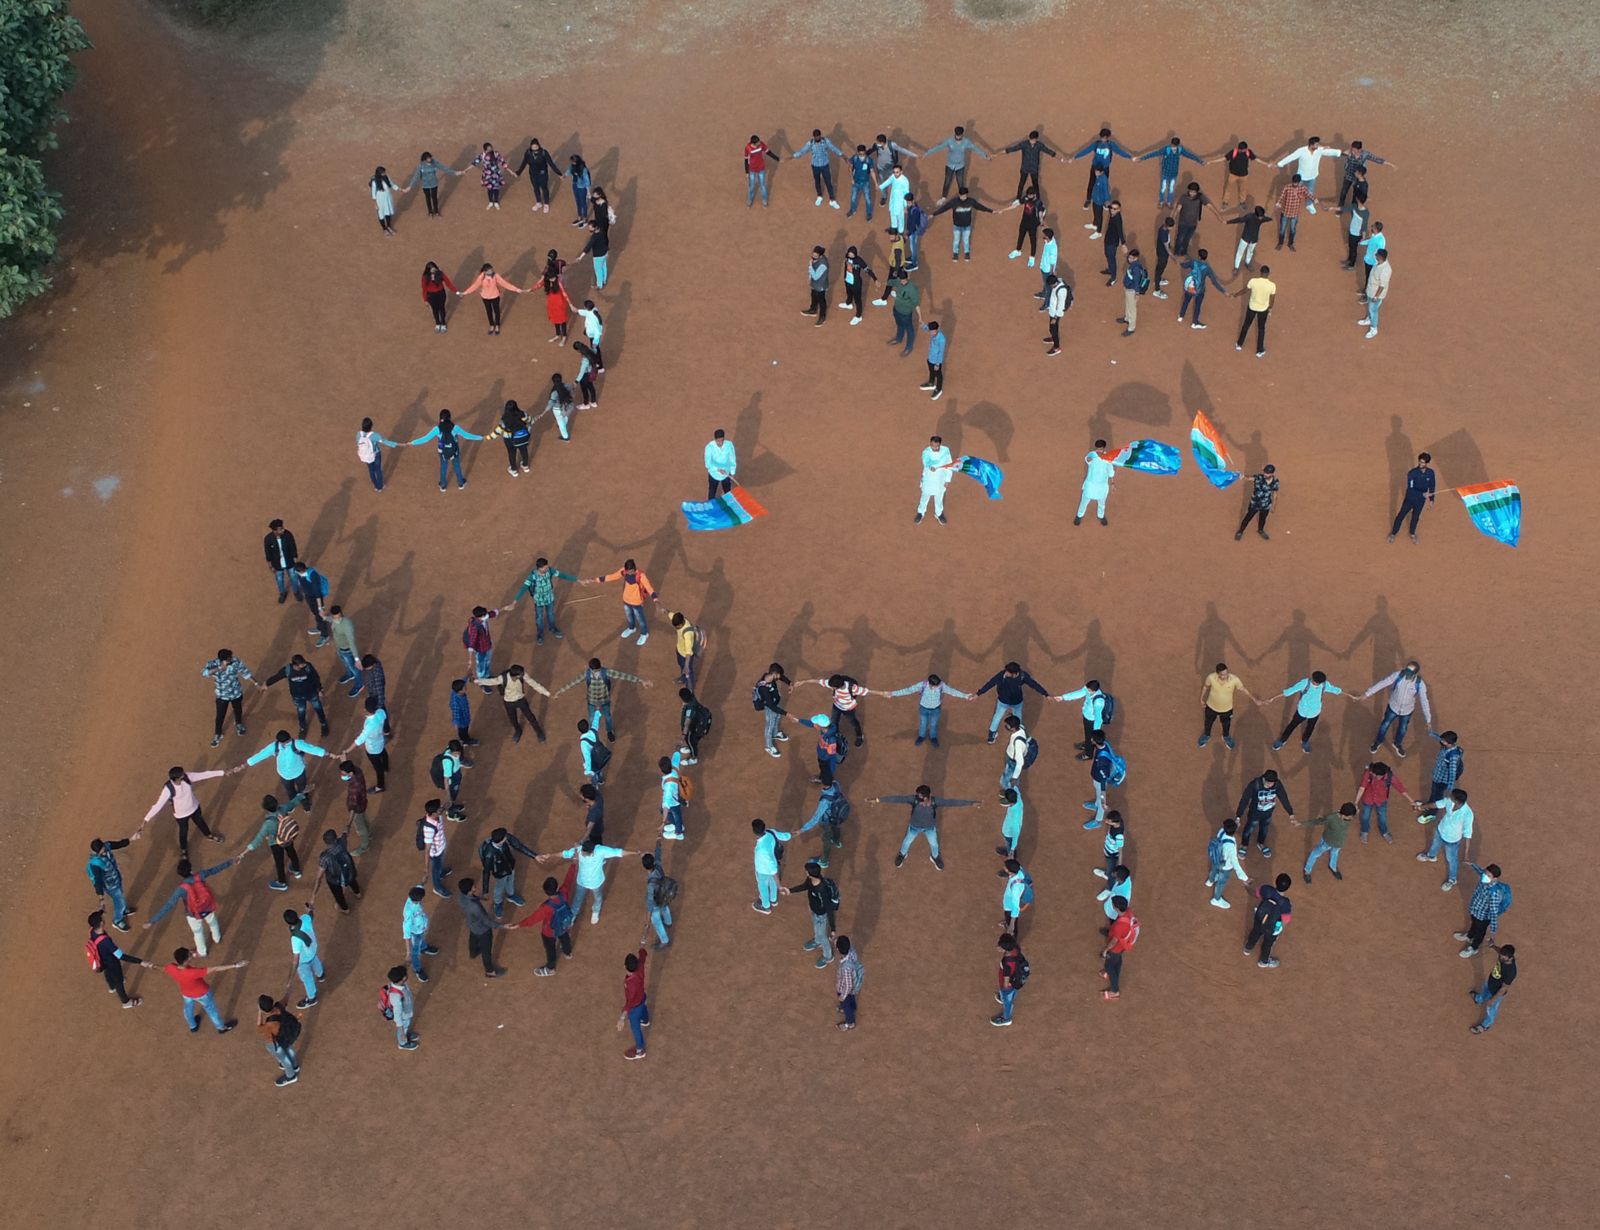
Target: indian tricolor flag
<point>1150,456</point>
<point>1495,508</point>
<point>731,508</point>
<point>1210,453</point>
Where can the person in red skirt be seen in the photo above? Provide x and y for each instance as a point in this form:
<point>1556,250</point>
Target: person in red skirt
<point>557,305</point>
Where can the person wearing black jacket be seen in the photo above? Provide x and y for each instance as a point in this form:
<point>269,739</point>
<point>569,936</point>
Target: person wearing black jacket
<point>1271,914</point>
<point>769,701</point>
<point>856,271</point>
<point>822,895</point>
<point>1163,255</point>
<point>281,557</point>
<point>1114,239</point>
<point>1008,684</point>
<point>1420,487</point>
<point>536,161</point>
<point>961,208</point>
<point>338,869</point>
<point>1260,799</point>
<point>500,868</point>
<point>305,688</point>
<point>1031,150</point>
<point>111,959</point>
<point>1250,224</point>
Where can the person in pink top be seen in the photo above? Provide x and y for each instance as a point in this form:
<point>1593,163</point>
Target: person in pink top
<point>1372,796</point>
<point>178,790</point>
<point>489,284</point>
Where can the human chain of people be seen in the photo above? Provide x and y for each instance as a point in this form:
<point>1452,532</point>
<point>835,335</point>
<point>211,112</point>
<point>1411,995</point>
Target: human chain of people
<point>490,896</point>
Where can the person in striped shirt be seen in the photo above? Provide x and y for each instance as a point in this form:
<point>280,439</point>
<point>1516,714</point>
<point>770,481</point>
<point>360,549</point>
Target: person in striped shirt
<point>847,981</point>
<point>930,696</point>
<point>846,695</point>
<point>597,681</point>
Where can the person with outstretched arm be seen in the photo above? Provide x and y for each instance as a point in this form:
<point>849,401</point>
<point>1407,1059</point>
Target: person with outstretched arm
<point>924,820</point>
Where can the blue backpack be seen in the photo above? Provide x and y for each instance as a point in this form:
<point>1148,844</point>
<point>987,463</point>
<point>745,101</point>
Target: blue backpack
<point>1214,850</point>
<point>561,915</point>
<point>1027,891</point>
<point>1108,708</point>
<point>1031,754</point>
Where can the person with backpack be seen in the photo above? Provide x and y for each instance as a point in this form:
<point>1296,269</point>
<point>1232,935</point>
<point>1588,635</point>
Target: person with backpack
<point>314,590</point>
<point>1335,828</point>
<point>1257,803</point>
<point>822,895</point>
<point>930,696</point>
<point>303,947</point>
<point>1099,707</point>
<point>278,830</point>
<point>397,1005</point>
<point>1116,839</point>
<point>1014,971</point>
<point>1121,936</point>
<point>636,588</point>
<point>594,754</point>
<point>597,681</point>
<point>106,959</point>
<point>767,700</point>
<point>1098,475</point>
<point>178,791</point>
<point>514,684</point>
<point>847,694</point>
<point>833,809</point>
<point>227,675</point>
<point>1106,770</point>
<point>924,820</point>
<point>554,917</point>
<point>195,987</point>
<point>280,1030</point>
<point>199,904</point>
<point>480,927</point>
<point>1010,823</point>
<point>1407,690</point>
<point>1271,916</point>
<point>461,712</point>
<point>414,930</point>
<point>1198,272</point>
<point>105,877</point>
<point>635,1003</point>
<point>768,856</point>
<point>592,858</point>
<point>305,690</point>
<point>1057,303</point>
<point>1222,857</point>
<point>1308,708</point>
<point>444,771</point>
<point>1016,897</point>
<point>831,746</point>
<point>1452,831</point>
<point>498,855</point>
<point>847,981</point>
<point>660,891</point>
<point>516,430</point>
<point>539,585</point>
<point>338,869</point>
<point>1135,282</point>
<point>1372,796</point>
<point>431,840</point>
<point>289,755</point>
<point>690,644</point>
<point>675,792</point>
<point>694,723</point>
<point>445,430</point>
<point>1007,684</point>
<point>1020,748</point>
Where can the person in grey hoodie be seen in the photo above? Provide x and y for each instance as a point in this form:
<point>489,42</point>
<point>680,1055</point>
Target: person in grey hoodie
<point>1406,691</point>
<point>956,146</point>
<point>924,820</point>
<point>427,174</point>
<point>821,151</point>
<point>817,272</point>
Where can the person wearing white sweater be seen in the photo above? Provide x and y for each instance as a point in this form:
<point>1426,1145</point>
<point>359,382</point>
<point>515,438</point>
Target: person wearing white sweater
<point>1308,160</point>
<point>1224,853</point>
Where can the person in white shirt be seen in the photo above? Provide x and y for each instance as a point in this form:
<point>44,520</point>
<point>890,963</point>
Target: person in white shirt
<point>371,739</point>
<point>1057,301</point>
<point>938,468</point>
<point>1016,753</point>
<point>1453,830</point>
<point>722,463</point>
<point>592,860</point>
<point>1377,293</point>
<point>1308,159</point>
<point>1094,712</point>
<point>1225,863</point>
<point>897,187</point>
<point>1098,472</point>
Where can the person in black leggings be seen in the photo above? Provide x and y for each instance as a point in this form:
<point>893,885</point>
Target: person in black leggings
<point>515,429</point>
<point>536,161</point>
<point>1028,225</point>
<point>856,271</point>
<point>435,285</point>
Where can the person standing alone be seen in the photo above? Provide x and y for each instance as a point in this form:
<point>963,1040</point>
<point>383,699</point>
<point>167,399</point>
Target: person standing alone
<point>1263,495</point>
<point>1421,483</point>
<point>722,463</point>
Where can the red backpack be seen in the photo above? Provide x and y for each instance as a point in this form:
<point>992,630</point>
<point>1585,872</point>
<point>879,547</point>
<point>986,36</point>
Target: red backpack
<point>1133,930</point>
<point>91,949</point>
<point>201,901</point>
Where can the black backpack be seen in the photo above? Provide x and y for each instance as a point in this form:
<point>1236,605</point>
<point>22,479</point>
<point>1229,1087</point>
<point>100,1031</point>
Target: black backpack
<point>666,891</point>
<point>436,771</point>
<point>832,888</point>
<point>288,1028</point>
<point>838,810</point>
<point>599,755</point>
<point>1019,979</point>
<point>756,702</point>
<point>777,848</point>
<point>422,838</point>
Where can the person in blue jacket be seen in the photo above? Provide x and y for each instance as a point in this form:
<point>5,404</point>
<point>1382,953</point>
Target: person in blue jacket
<point>1172,155</point>
<point>1197,272</point>
<point>1101,151</point>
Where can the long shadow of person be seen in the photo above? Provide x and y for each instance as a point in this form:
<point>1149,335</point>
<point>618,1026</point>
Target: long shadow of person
<point>1397,447</point>
<point>759,466</point>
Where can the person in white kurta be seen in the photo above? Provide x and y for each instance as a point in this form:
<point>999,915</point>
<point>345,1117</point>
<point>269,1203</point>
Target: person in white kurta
<point>1096,483</point>
<point>938,468</point>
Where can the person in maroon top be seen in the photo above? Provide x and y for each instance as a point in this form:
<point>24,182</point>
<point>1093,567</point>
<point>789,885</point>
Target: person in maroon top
<point>1121,936</point>
<point>635,1008</point>
<point>756,154</point>
<point>355,802</point>
<point>435,282</point>
<point>1013,974</point>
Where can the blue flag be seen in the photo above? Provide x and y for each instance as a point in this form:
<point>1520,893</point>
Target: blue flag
<point>986,472</point>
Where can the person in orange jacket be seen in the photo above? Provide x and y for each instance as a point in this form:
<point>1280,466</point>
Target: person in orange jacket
<point>636,588</point>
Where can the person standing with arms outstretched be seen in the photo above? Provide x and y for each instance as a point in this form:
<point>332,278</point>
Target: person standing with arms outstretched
<point>196,990</point>
<point>1249,224</point>
<point>488,285</point>
<point>199,904</point>
<point>536,161</point>
<point>930,695</point>
<point>962,209</point>
<point>636,589</point>
<point>1262,290</point>
<point>1238,159</point>
<point>427,174</point>
<point>1421,485</point>
<point>597,680</point>
<point>1097,480</point>
<point>1216,699</point>
<point>1100,153</point>
<point>821,151</point>
<point>1191,205</point>
<point>1308,162</point>
<point>938,469</point>
<point>1356,161</point>
<point>109,958</point>
<point>1007,684</point>
<point>1032,150</point>
<point>539,584</point>
<point>178,790</point>
<point>1308,709</point>
<point>449,436</point>
<point>1172,155</point>
<point>924,821</point>
<point>1263,495</point>
<point>957,147</point>
<point>756,153</point>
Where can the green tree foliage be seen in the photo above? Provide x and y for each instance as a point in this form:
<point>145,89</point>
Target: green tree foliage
<point>37,38</point>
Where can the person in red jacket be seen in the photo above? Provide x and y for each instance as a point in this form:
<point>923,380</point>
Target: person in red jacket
<point>435,282</point>
<point>756,153</point>
<point>635,1007</point>
<point>556,908</point>
<point>1013,975</point>
<point>1122,935</point>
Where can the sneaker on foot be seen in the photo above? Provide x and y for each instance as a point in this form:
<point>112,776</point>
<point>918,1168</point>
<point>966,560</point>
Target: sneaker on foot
<point>1220,903</point>
<point>936,861</point>
<point>999,1022</point>
<point>898,859</point>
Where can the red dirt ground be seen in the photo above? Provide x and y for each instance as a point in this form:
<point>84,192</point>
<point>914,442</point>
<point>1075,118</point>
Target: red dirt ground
<point>229,312</point>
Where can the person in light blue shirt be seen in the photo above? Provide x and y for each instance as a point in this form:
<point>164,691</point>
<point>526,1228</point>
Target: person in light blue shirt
<point>1308,708</point>
<point>1015,897</point>
<point>956,146</point>
<point>289,756</point>
<point>1197,272</point>
<point>833,809</point>
<point>592,859</point>
<point>766,863</point>
<point>1119,884</point>
<point>303,944</point>
<point>1048,256</point>
<point>1172,155</point>
<point>1094,712</point>
<point>1010,823</point>
<point>821,151</point>
<point>1370,247</point>
<point>937,344</point>
<point>1100,152</point>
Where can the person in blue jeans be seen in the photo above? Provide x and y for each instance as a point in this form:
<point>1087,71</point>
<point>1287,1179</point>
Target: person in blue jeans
<point>1007,684</point>
<point>105,877</point>
<point>414,926</point>
<point>281,553</point>
<point>1453,828</point>
<point>821,151</point>
<point>930,705</point>
<point>1011,980</point>
<point>1496,986</point>
<point>446,433</point>
<point>924,820</point>
<point>303,945</point>
<point>1194,285</point>
<point>1335,827</point>
<point>195,987</point>
<point>635,1004</point>
<point>861,188</point>
<point>660,911</point>
<point>1171,155</point>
